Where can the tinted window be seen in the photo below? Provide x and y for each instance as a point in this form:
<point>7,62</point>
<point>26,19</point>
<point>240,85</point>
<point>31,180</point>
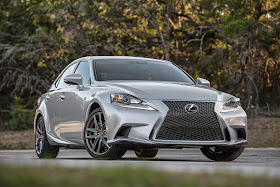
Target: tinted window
<point>69,70</point>
<point>121,69</point>
<point>83,68</point>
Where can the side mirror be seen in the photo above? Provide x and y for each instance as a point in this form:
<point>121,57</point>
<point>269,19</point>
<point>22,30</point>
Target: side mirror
<point>76,79</point>
<point>202,81</point>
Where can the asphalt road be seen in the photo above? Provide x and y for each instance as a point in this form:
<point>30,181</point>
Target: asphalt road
<point>252,162</point>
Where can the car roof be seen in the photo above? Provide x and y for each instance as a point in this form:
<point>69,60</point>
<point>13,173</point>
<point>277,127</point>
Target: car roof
<point>121,57</point>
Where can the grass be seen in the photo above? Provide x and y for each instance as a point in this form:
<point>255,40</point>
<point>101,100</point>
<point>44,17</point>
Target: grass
<point>57,176</point>
<point>266,128</point>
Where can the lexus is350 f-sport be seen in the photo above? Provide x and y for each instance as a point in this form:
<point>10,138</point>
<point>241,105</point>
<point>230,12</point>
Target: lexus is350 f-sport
<point>113,104</point>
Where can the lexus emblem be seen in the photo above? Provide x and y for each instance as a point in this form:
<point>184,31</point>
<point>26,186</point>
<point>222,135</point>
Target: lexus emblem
<point>191,108</point>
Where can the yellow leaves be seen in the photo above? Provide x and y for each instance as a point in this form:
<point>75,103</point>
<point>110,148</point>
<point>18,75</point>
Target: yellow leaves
<point>35,21</point>
<point>249,17</point>
<point>220,44</point>
<point>41,4</point>
<point>60,54</point>
<point>130,53</point>
<point>47,56</point>
<point>263,17</point>
<point>215,86</point>
<point>212,20</point>
<point>119,53</point>
<point>220,72</point>
<point>196,75</point>
<point>41,64</point>
<point>49,3</point>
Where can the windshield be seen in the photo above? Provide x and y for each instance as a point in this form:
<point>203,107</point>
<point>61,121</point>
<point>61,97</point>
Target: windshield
<point>124,69</point>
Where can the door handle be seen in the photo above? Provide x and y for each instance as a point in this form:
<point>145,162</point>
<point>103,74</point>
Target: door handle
<point>62,97</point>
<point>47,97</point>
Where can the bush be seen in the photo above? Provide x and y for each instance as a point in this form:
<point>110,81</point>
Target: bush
<point>20,119</point>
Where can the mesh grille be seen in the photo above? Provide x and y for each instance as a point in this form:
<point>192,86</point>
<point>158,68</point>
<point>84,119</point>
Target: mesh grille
<point>181,125</point>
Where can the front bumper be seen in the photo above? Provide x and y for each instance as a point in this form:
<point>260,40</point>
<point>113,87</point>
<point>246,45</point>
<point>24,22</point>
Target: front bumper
<point>136,143</point>
<point>138,128</point>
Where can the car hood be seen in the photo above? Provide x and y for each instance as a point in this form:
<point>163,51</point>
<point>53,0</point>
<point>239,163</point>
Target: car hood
<point>167,90</point>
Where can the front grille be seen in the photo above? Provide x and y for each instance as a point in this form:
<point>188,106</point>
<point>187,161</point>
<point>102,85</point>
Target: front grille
<point>181,125</point>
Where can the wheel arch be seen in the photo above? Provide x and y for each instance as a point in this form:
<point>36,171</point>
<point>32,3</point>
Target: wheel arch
<point>92,106</point>
<point>37,116</point>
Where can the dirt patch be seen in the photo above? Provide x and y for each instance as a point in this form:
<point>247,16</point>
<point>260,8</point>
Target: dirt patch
<point>17,139</point>
<point>262,132</point>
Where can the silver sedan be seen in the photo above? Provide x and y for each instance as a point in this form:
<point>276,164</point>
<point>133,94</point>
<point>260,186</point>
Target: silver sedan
<point>113,104</point>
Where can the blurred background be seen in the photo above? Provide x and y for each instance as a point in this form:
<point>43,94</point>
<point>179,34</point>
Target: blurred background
<point>235,44</point>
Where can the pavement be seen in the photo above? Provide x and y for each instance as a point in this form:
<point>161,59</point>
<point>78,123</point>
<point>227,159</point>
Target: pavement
<point>253,162</point>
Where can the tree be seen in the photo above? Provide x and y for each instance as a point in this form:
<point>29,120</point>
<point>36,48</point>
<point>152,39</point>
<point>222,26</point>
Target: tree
<point>233,43</point>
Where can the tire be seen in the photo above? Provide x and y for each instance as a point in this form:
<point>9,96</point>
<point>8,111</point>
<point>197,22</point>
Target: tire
<point>146,153</point>
<point>95,138</point>
<point>42,146</point>
<point>222,153</point>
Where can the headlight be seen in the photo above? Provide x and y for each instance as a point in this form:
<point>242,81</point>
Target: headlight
<point>125,99</point>
<point>233,104</point>
<point>128,101</point>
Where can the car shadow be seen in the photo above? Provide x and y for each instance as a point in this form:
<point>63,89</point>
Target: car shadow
<point>139,159</point>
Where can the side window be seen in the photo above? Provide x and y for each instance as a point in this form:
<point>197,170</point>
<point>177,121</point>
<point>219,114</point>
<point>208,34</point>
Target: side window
<point>60,83</point>
<point>83,68</point>
<point>56,83</point>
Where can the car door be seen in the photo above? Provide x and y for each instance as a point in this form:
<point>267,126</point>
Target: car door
<point>72,107</point>
<point>52,105</point>
<point>53,101</point>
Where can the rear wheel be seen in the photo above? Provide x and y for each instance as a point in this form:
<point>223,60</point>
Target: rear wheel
<point>42,145</point>
<point>95,137</point>
<point>222,153</point>
<point>146,153</point>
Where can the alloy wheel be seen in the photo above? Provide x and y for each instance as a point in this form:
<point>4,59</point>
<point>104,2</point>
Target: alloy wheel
<point>39,136</point>
<point>96,135</point>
